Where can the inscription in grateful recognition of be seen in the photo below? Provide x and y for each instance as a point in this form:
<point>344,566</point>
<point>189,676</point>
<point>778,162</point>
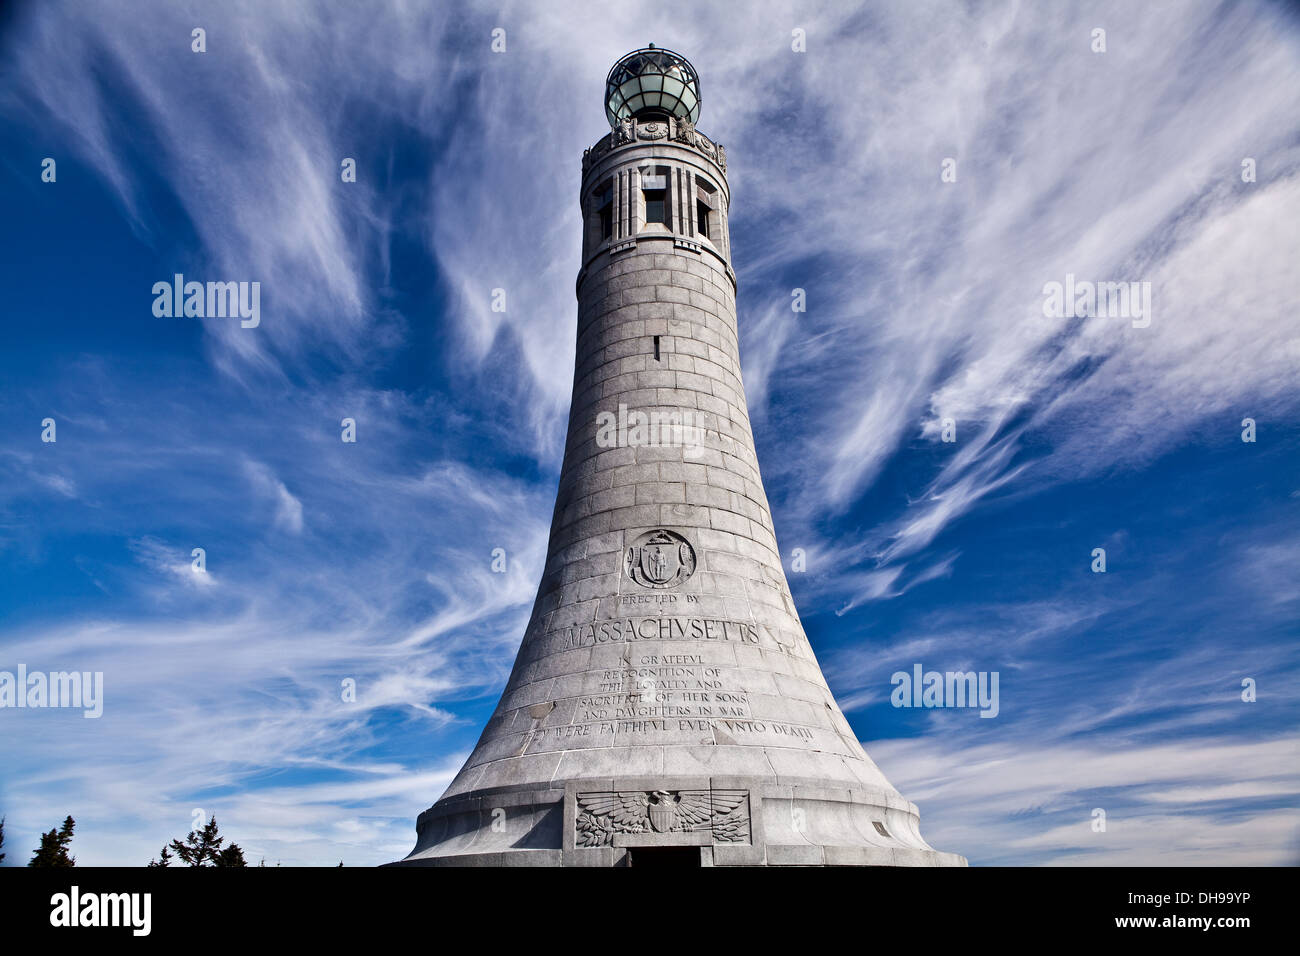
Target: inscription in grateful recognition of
<point>723,813</point>
<point>660,559</point>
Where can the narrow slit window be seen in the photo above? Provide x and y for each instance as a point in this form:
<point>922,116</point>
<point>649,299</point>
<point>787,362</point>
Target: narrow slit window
<point>708,225</point>
<point>605,202</point>
<point>656,205</point>
<point>656,348</point>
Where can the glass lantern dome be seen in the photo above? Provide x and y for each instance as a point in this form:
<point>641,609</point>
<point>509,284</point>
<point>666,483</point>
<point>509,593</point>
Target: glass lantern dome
<point>652,80</point>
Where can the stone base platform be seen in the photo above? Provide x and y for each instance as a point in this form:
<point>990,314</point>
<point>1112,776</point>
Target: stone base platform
<point>691,821</point>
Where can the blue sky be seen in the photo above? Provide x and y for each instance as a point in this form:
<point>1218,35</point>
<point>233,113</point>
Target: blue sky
<point>372,560</point>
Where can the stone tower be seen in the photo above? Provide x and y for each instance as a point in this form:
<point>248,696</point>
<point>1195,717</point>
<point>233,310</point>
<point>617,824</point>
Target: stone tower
<point>665,706</point>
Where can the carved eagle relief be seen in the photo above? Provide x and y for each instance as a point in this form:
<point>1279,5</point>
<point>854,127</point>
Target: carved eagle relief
<point>601,815</point>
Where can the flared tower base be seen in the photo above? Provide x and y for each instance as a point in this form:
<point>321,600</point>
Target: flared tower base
<point>744,821</point>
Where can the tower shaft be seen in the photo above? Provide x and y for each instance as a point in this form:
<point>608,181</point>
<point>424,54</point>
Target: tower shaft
<point>665,703</point>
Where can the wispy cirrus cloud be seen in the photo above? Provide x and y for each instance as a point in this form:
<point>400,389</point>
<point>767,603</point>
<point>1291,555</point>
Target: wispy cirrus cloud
<point>1197,803</point>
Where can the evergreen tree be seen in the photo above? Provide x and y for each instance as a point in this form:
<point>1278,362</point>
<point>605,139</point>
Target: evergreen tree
<point>230,856</point>
<point>164,858</point>
<point>202,848</point>
<point>2,838</point>
<point>53,850</point>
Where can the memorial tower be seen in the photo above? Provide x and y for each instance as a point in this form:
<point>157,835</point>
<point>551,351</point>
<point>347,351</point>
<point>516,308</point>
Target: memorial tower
<point>665,707</point>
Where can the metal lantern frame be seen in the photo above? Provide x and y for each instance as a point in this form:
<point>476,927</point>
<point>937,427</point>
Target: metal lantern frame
<point>652,79</point>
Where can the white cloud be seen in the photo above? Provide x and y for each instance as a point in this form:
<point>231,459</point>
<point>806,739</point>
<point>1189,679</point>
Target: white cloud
<point>1203,802</point>
<point>288,509</point>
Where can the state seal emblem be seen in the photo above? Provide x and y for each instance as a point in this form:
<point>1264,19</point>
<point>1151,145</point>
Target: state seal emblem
<point>660,559</point>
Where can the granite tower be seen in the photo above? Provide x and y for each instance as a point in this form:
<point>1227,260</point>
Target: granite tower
<point>665,707</point>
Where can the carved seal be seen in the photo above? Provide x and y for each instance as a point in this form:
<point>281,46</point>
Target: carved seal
<point>660,559</point>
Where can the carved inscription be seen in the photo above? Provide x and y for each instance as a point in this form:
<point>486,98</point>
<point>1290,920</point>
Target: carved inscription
<point>601,815</point>
<point>667,694</point>
<point>682,696</point>
<point>657,629</point>
<point>662,686</point>
<point>657,599</point>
